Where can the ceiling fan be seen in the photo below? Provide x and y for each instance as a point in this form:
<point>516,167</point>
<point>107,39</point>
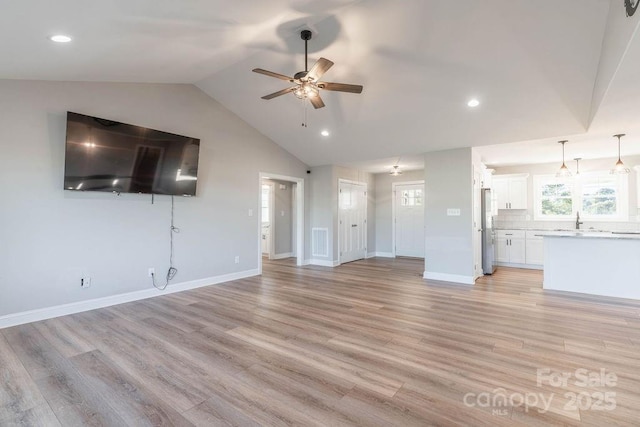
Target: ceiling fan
<point>307,83</point>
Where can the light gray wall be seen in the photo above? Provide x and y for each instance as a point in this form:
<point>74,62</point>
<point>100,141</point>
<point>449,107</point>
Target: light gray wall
<point>52,237</point>
<point>321,200</point>
<point>324,202</point>
<point>282,228</point>
<point>449,239</point>
<point>383,206</point>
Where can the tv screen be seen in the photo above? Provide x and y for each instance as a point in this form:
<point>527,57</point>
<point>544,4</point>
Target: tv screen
<point>105,155</point>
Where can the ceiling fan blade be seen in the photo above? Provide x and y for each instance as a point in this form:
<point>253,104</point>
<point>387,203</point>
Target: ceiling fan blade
<point>316,101</point>
<point>272,74</point>
<point>279,93</point>
<point>340,87</point>
<point>321,66</point>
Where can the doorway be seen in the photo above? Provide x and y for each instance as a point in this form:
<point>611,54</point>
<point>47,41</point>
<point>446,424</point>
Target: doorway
<point>408,219</point>
<point>352,220</point>
<point>266,217</point>
<point>269,238</point>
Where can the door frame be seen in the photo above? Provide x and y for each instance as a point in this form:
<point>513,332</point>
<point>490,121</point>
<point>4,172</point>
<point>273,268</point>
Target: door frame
<point>366,212</point>
<point>477,185</point>
<point>393,209</point>
<point>272,219</point>
<point>299,208</point>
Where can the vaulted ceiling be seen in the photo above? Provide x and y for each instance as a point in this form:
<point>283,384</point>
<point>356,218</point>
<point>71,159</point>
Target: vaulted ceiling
<point>541,69</point>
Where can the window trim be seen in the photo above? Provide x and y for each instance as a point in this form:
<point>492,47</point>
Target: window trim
<point>622,200</point>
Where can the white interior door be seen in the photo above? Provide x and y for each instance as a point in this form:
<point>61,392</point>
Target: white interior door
<point>409,220</point>
<point>352,221</point>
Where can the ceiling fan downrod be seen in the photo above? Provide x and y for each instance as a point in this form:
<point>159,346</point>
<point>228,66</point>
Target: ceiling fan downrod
<point>306,36</point>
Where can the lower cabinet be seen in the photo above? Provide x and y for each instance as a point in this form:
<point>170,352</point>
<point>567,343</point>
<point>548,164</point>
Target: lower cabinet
<point>522,247</point>
<point>534,248</point>
<point>510,246</point>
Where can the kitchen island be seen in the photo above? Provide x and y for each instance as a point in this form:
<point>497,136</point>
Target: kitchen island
<point>605,264</point>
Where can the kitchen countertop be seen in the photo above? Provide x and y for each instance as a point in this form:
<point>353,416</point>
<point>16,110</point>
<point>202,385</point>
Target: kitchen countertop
<point>571,230</point>
<point>583,233</point>
<point>594,235</point>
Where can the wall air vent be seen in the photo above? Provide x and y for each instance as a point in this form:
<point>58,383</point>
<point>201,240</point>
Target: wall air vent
<point>320,242</point>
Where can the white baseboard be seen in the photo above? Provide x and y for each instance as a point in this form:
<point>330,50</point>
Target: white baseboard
<point>92,304</point>
<point>324,263</point>
<point>384,254</point>
<point>282,256</point>
<point>526,266</point>
<point>444,277</point>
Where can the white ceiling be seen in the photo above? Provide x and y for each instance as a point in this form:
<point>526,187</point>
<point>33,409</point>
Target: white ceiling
<point>543,69</point>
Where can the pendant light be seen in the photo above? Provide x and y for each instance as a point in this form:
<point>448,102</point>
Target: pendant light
<point>577,159</point>
<point>564,171</point>
<point>619,168</point>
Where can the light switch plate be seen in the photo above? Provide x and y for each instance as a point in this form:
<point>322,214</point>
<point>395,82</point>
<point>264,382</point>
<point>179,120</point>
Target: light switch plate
<point>453,212</point>
<point>250,212</point>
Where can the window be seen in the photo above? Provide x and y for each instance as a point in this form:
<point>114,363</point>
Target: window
<point>411,197</point>
<point>600,196</point>
<point>596,195</point>
<point>556,199</point>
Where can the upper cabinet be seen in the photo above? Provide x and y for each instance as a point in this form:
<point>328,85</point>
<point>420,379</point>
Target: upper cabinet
<point>510,190</point>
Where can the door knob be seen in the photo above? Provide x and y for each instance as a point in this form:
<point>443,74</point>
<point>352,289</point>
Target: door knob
<point>354,225</point>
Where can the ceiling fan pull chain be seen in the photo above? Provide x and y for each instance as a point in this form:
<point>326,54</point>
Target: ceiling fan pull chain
<point>304,113</point>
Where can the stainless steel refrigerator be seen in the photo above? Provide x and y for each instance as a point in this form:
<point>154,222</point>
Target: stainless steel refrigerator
<point>488,238</point>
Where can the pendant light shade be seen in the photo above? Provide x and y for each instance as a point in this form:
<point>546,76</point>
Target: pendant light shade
<point>564,171</point>
<point>619,168</point>
<point>577,159</point>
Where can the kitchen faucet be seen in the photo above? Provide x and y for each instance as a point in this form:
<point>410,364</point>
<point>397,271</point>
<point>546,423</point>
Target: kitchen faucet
<point>578,222</point>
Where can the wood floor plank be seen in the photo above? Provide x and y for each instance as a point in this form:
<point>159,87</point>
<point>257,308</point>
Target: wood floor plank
<point>18,392</point>
<point>367,343</point>
<point>69,394</point>
<point>63,337</point>
<point>133,401</point>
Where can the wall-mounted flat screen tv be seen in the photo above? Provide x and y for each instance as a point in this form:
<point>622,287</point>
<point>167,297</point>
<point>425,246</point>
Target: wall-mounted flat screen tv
<point>105,155</point>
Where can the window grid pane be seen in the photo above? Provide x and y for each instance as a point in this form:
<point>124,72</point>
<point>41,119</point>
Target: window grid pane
<point>600,196</point>
<point>411,198</point>
<point>556,200</point>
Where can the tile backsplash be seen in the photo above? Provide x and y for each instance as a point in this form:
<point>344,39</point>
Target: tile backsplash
<point>518,219</point>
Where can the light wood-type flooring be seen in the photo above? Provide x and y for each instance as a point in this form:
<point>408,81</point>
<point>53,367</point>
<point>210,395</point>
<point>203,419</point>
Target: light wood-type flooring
<point>369,343</point>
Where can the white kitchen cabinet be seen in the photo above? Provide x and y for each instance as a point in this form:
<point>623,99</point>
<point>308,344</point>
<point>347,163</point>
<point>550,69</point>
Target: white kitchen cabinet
<point>534,248</point>
<point>511,191</point>
<point>510,246</point>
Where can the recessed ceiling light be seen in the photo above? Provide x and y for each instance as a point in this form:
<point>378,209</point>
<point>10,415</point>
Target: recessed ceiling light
<point>473,103</point>
<point>60,38</point>
<point>324,133</point>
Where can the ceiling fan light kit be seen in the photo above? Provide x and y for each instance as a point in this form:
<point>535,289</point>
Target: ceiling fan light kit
<point>307,84</point>
<point>395,171</point>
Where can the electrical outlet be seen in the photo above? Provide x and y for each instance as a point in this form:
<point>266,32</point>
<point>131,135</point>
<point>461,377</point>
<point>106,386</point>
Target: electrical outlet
<point>85,282</point>
<point>152,272</point>
<point>237,260</point>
